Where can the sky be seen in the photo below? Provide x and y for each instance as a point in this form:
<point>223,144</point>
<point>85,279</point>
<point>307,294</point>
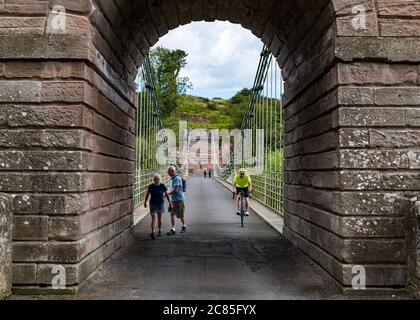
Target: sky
<point>222,57</point>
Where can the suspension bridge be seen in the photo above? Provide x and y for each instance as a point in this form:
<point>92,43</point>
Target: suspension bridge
<point>216,259</point>
<point>75,145</point>
<point>260,138</point>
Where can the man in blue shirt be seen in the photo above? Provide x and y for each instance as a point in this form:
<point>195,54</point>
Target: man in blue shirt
<point>178,198</point>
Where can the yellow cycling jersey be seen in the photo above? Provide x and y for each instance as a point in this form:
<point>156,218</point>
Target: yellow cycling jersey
<point>242,182</point>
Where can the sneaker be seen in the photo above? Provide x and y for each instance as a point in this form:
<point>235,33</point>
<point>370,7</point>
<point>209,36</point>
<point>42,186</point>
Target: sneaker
<point>152,235</point>
<point>238,213</point>
<point>184,230</point>
<point>247,214</point>
<point>159,234</point>
<point>171,233</point>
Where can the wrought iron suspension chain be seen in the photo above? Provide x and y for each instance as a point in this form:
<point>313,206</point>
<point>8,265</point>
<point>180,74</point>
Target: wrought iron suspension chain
<point>264,112</point>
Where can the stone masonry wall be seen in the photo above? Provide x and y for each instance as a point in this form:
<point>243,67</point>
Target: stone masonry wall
<point>66,139</point>
<point>67,122</point>
<point>413,246</point>
<point>352,146</point>
<point>6,227</point>
<point>417,247</point>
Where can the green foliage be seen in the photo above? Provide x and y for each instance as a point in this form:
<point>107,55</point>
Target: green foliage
<point>241,97</point>
<point>212,106</point>
<point>176,105</point>
<point>167,65</point>
<point>199,112</point>
<point>149,146</point>
<point>237,106</point>
<point>203,113</point>
<point>206,113</point>
<point>274,160</point>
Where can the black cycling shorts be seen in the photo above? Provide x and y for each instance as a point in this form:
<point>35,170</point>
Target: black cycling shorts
<point>245,190</point>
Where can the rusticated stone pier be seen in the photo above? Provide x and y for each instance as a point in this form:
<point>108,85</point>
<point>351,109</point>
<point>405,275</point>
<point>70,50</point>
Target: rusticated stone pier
<point>352,120</point>
<point>6,228</point>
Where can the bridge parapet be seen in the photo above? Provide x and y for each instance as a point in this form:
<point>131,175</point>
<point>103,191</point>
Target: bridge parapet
<point>413,248</point>
<point>6,225</point>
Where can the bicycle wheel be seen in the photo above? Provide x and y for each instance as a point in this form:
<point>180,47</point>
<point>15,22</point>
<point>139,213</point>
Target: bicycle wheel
<point>242,212</point>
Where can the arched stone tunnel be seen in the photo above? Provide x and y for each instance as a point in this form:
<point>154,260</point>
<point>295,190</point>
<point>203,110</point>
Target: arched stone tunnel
<point>352,122</point>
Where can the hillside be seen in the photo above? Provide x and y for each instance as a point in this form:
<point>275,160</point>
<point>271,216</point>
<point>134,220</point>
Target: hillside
<point>209,113</point>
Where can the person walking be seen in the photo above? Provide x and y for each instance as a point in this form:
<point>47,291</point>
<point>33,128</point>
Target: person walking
<point>209,173</point>
<point>157,191</point>
<point>205,173</point>
<point>177,197</point>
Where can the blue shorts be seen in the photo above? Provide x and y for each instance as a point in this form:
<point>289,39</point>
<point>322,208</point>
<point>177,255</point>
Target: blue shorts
<point>157,208</point>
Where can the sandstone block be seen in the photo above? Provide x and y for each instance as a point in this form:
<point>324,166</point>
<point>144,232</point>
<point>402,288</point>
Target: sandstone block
<point>24,274</point>
<point>363,117</point>
<point>20,91</point>
<point>6,227</point>
<point>393,8</point>
<point>28,228</point>
<point>17,7</point>
<point>354,138</point>
<point>394,138</point>
<point>374,159</point>
<point>377,73</point>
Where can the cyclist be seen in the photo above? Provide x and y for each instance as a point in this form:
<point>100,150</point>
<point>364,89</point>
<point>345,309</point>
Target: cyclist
<point>242,182</point>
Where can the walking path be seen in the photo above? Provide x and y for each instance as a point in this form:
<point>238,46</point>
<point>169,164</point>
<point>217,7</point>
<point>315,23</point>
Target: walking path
<point>216,259</point>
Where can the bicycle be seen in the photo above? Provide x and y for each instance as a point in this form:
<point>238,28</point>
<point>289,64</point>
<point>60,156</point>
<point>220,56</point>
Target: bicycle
<point>242,206</point>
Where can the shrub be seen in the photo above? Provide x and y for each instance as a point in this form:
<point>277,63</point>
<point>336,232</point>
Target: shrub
<point>212,106</point>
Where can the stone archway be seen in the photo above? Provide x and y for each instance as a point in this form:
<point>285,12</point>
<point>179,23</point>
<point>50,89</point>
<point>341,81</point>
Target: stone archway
<point>66,125</point>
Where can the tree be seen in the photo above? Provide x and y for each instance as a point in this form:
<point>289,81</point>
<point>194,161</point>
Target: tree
<point>167,65</point>
<point>241,97</point>
<point>238,105</point>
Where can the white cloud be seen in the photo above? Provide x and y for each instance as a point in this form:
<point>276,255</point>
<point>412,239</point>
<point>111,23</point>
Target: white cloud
<point>223,57</point>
